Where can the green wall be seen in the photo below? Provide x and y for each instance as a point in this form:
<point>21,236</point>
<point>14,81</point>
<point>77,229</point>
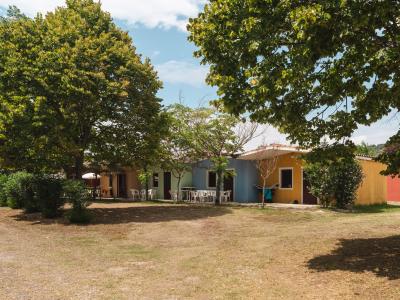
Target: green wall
<point>185,182</point>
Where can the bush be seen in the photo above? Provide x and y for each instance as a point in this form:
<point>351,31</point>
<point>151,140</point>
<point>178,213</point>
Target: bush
<point>348,178</point>
<point>3,197</point>
<point>19,192</point>
<point>334,177</point>
<point>321,182</point>
<point>48,190</point>
<point>76,193</point>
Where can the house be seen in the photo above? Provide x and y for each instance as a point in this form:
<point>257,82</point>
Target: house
<point>288,180</point>
<point>393,189</point>
<point>165,181</point>
<point>243,185</point>
<point>291,181</point>
<point>118,184</point>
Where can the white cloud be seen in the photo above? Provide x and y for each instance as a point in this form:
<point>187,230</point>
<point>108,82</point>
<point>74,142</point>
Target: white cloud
<point>266,135</point>
<point>151,13</point>
<point>181,72</point>
<point>359,139</point>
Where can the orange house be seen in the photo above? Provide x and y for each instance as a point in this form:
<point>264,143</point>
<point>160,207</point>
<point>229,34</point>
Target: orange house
<point>290,184</point>
<point>118,184</point>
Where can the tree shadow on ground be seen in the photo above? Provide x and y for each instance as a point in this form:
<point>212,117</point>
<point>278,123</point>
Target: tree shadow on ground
<point>137,214</point>
<point>380,256</point>
<point>377,208</point>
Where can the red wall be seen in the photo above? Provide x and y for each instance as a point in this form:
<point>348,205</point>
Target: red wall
<point>393,189</point>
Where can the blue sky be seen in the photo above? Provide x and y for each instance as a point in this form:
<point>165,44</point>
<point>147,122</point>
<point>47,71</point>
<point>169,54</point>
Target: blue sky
<point>172,56</point>
<point>158,31</point>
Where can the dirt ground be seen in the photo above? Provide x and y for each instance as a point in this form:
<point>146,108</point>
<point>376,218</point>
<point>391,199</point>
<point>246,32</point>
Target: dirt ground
<point>164,251</point>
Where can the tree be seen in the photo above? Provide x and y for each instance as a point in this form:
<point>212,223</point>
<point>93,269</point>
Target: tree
<point>368,150</point>
<point>390,156</point>
<point>312,68</point>
<point>265,168</point>
<point>74,85</point>
<point>178,145</point>
<point>218,136</point>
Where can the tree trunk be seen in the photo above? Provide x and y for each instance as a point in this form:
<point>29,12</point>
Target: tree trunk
<point>178,193</point>
<point>146,185</point>
<point>220,176</point>
<point>263,195</point>
<point>79,166</point>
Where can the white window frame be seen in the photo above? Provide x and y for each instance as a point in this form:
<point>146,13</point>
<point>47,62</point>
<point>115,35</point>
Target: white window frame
<point>280,178</point>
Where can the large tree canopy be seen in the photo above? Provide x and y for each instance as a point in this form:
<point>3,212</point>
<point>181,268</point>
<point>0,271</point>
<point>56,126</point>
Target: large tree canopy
<point>73,86</point>
<point>312,68</point>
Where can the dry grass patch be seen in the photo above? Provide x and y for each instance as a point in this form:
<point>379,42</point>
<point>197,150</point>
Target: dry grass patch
<point>161,251</point>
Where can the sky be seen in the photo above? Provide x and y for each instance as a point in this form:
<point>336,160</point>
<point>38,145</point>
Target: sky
<point>158,29</point>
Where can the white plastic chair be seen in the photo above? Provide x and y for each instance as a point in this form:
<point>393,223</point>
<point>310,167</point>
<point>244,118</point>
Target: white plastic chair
<point>226,196</point>
<point>152,194</point>
<point>174,195</point>
<point>135,194</point>
<point>194,196</point>
<point>143,194</point>
<point>213,195</point>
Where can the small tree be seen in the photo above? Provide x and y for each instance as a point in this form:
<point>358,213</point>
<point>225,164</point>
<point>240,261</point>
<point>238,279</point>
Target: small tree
<point>390,156</point>
<point>76,193</point>
<point>218,136</point>
<point>334,174</point>
<point>321,182</point>
<point>347,179</point>
<point>265,168</point>
<point>178,145</point>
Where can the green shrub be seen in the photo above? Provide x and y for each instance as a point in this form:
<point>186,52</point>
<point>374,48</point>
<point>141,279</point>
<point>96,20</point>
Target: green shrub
<point>3,197</point>
<point>348,178</point>
<point>48,192</point>
<point>334,179</point>
<point>321,182</point>
<point>79,216</point>
<point>76,193</point>
<point>19,192</point>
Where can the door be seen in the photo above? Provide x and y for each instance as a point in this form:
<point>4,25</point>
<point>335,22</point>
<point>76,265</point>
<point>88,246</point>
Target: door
<point>122,186</point>
<point>229,184</point>
<point>308,198</point>
<point>167,185</point>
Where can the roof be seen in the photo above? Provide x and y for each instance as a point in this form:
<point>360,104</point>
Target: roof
<point>269,151</point>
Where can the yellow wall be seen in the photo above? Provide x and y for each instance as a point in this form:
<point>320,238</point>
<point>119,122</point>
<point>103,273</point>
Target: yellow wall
<point>374,188</point>
<point>372,191</point>
<point>287,195</point>
<point>132,182</point>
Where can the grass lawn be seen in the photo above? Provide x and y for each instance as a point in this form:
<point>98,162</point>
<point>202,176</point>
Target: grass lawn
<point>163,251</point>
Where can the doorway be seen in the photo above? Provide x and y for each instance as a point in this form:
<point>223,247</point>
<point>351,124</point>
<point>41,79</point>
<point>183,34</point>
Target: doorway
<point>308,198</point>
<point>229,185</point>
<point>167,185</point>
<point>121,184</point>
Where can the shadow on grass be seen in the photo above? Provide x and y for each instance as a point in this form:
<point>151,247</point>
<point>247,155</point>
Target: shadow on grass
<point>139,214</point>
<point>380,256</point>
<point>378,208</point>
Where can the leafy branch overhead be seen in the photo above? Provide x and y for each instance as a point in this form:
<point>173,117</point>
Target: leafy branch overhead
<point>314,69</point>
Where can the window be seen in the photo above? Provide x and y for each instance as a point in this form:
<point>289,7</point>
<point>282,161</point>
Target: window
<point>286,178</point>
<point>110,180</point>
<point>155,180</point>
<point>212,179</point>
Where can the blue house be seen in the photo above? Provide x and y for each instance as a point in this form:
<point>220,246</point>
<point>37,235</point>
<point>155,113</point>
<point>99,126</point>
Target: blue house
<point>243,185</point>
